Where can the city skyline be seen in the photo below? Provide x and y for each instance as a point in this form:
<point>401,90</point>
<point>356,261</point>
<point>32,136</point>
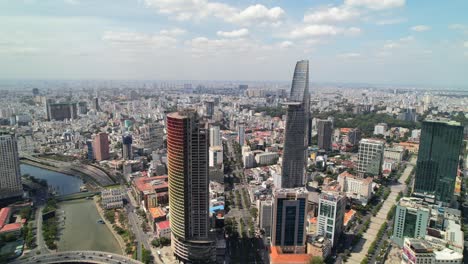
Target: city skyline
<point>351,41</point>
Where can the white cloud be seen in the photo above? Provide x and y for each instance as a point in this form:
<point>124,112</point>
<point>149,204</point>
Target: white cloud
<point>286,44</point>
<point>201,46</point>
<point>135,39</point>
<point>350,55</point>
<point>258,14</point>
<point>72,2</point>
<point>391,21</point>
<point>172,32</point>
<point>322,30</point>
<point>392,44</point>
<point>457,26</point>
<point>243,32</point>
<point>331,14</point>
<point>420,28</point>
<point>199,9</point>
<point>376,4</point>
<point>465,44</point>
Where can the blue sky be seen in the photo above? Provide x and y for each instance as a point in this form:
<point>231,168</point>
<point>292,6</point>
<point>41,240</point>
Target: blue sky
<point>364,41</point>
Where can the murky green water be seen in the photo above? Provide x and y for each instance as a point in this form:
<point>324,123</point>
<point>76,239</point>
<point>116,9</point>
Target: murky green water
<point>82,232</point>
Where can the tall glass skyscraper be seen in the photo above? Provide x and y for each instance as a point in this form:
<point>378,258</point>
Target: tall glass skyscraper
<point>289,219</point>
<point>187,156</point>
<point>439,151</point>
<point>10,176</point>
<point>297,129</point>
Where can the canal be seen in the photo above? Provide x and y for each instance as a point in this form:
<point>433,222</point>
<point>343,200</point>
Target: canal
<point>78,218</point>
<point>63,184</point>
<point>82,231</point>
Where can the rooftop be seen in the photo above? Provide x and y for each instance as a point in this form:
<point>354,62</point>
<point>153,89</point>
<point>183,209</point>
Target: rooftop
<point>163,224</point>
<point>151,183</point>
<point>4,214</point>
<point>277,256</point>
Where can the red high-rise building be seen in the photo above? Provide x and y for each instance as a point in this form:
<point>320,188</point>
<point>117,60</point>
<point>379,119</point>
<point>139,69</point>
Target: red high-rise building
<point>101,147</point>
<point>187,158</point>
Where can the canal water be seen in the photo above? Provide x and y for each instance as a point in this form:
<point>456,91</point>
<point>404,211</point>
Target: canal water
<point>62,183</point>
<point>79,229</point>
<point>82,230</point>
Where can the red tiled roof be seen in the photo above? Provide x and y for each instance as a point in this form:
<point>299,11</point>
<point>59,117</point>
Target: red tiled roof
<point>156,212</point>
<point>163,224</point>
<point>11,227</point>
<point>144,183</point>
<point>279,258</point>
<point>4,213</point>
<point>348,216</point>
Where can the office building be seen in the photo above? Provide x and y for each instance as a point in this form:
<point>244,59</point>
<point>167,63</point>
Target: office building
<point>395,154</point>
<point>265,216</point>
<point>330,219</point>
<point>438,157</point>
<point>324,134</point>
<point>101,147</point>
<point>370,157</point>
<point>95,104</point>
<point>294,158</point>
<point>127,153</point>
<point>412,217</point>
<point>209,108</point>
<point>10,175</point>
<point>266,158</point>
<point>216,156</point>
<point>215,136</point>
<point>355,187</point>
<point>241,134</point>
<point>82,108</point>
<point>61,111</point>
<point>380,129</point>
<point>354,136</point>
<point>151,136</point>
<point>289,220</point>
<point>248,159</point>
<point>187,154</point>
<point>417,251</point>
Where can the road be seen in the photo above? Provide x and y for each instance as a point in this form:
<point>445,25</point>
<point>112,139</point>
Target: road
<point>41,246</point>
<point>360,250</point>
<point>77,256</point>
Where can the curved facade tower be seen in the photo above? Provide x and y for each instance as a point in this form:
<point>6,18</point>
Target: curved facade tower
<point>187,153</point>
<point>297,129</point>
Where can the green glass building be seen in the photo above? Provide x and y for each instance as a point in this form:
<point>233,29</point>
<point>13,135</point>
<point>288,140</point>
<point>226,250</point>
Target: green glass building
<point>439,151</point>
<point>412,217</point>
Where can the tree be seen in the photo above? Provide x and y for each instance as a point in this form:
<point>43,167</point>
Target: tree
<point>254,212</point>
<point>165,241</point>
<point>316,260</point>
<point>156,243</point>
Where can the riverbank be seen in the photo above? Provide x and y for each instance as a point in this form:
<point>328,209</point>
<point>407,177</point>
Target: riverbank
<point>47,167</point>
<point>109,225</point>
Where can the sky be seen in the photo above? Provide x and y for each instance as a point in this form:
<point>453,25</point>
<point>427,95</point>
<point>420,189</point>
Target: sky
<point>396,42</point>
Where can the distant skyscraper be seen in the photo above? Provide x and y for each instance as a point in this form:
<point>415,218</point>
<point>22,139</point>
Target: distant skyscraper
<point>209,108</point>
<point>370,157</point>
<point>10,175</point>
<point>296,131</point>
<point>439,150</point>
<point>101,147</point>
<point>215,136</point>
<point>61,111</point>
<point>324,133</point>
<point>331,216</point>
<point>127,153</point>
<point>289,219</point>
<point>187,154</point>
<point>241,133</point>
<point>354,136</point>
<point>35,91</point>
<point>412,218</point>
<point>96,106</point>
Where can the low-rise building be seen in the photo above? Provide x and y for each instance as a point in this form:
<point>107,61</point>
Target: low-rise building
<point>151,190</point>
<point>319,246</point>
<point>266,158</point>
<point>163,229</point>
<point>112,198</point>
<point>356,188</point>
